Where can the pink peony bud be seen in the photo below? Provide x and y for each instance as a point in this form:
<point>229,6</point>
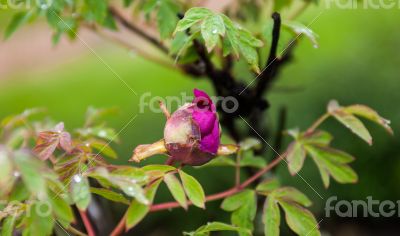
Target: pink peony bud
<point>191,135</point>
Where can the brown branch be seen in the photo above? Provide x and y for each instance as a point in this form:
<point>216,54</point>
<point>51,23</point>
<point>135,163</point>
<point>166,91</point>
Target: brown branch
<point>272,62</point>
<point>133,28</point>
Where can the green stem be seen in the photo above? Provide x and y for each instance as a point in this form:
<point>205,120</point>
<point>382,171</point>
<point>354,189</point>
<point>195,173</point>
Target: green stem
<point>317,123</point>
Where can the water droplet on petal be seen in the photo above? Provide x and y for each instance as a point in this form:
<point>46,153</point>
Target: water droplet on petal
<point>214,31</point>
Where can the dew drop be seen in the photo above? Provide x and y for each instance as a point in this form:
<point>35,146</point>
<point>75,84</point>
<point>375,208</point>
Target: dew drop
<point>214,31</point>
<point>102,133</point>
<point>77,178</point>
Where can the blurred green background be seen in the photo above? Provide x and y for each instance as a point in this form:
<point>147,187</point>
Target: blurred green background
<point>357,62</point>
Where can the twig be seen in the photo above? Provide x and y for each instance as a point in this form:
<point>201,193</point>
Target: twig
<point>120,227</point>
<point>75,231</point>
<point>86,222</point>
<point>280,128</point>
<point>138,50</point>
<point>118,16</point>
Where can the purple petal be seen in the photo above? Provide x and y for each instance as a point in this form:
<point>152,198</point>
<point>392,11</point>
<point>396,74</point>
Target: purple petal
<point>205,121</point>
<point>210,142</point>
<point>202,99</point>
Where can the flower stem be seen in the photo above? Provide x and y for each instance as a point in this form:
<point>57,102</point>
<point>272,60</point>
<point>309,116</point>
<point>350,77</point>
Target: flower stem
<point>86,222</point>
<point>317,123</point>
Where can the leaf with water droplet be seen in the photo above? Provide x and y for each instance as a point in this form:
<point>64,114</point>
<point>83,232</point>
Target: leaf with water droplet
<point>211,29</point>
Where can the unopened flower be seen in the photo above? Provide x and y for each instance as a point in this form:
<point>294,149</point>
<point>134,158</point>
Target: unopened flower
<point>191,135</point>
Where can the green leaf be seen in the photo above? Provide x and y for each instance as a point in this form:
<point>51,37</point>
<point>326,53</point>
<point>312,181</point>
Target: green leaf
<point>234,202</point>
<point>128,179</point>
<point>231,41</point>
<point>300,220</point>
<point>350,121</point>
<point>193,189</point>
<point>17,21</point>
<point>161,168</point>
<point>110,195</point>
<point>300,29</point>
<point>61,208</point>
<point>103,148</point>
<point>333,162</point>
<point>166,18</point>
<point>251,161</point>
<point>176,189</point>
<point>246,37</point>
<point>8,226</point>
<point>250,143</point>
<point>290,194</point>
<point>295,157</point>
<point>96,10</point>
<point>317,137</point>
<point>271,217</point>
<point>157,171</point>
<point>31,170</point>
<point>370,114</point>
<point>211,28</point>
<point>39,222</point>
<point>192,16</point>
<point>268,185</point>
<point>331,154</point>
<point>213,227</point>
<point>250,55</point>
<point>137,211</point>
<point>220,161</point>
<point>80,191</point>
<point>244,216</point>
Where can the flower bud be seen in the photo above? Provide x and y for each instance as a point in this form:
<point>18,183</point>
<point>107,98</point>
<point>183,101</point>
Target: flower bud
<point>192,133</point>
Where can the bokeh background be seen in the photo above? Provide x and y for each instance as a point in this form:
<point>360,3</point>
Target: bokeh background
<point>357,62</point>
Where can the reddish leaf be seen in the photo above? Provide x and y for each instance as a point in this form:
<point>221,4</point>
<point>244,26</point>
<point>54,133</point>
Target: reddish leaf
<point>66,142</point>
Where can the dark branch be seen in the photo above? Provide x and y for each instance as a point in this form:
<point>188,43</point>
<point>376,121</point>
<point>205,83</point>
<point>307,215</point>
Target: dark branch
<point>280,128</point>
<point>117,15</point>
<point>269,72</point>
